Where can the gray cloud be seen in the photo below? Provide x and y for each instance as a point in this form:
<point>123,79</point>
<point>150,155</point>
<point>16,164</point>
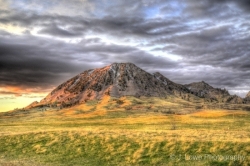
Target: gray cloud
<point>210,37</point>
<point>43,63</point>
<point>57,31</point>
<point>8,93</point>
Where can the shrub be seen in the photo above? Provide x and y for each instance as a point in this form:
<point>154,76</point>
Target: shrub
<point>120,102</point>
<point>128,107</point>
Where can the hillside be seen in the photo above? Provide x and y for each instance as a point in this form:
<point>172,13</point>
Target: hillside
<point>247,98</point>
<point>125,131</point>
<point>126,79</point>
<point>122,115</point>
<point>115,80</point>
<point>204,90</point>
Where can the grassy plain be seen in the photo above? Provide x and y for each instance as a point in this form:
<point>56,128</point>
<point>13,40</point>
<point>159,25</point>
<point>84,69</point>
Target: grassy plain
<point>126,131</point>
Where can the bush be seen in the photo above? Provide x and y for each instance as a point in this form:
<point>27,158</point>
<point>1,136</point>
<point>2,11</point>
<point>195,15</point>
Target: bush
<point>247,108</point>
<point>128,107</point>
<point>169,111</point>
<point>120,102</point>
<point>136,102</point>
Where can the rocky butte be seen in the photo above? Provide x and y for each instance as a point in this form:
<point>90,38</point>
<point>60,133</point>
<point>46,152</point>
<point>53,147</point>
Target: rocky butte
<point>126,79</point>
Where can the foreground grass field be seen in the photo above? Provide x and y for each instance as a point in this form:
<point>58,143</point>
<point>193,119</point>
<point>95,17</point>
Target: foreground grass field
<point>125,132</point>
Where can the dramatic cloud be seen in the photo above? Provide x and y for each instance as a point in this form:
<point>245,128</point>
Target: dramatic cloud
<point>43,43</point>
<point>45,63</point>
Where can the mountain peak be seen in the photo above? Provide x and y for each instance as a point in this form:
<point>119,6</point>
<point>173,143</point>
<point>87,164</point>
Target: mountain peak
<point>126,79</point>
<point>116,80</point>
<point>122,63</point>
<point>203,82</point>
<point>204,90</point>
<point>199,85</point>
<point>127,65</point>
<point>248,94</point>
<point>247,98</point>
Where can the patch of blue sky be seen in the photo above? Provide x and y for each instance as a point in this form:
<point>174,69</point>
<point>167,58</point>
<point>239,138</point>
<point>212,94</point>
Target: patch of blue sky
<point>36,6</point>
<point>151,11</point>
<point>98,8</point>
<point>175,9</point>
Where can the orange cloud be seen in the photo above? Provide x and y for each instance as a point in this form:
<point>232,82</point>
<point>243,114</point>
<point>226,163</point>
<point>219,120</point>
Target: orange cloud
<point>19,91</point>
<point>18,97</point>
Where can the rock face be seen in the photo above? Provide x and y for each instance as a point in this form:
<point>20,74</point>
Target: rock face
<point>247,98</point>
<point>32,104</point>
<point>126,79</point>
<point>248,94</point>
<point>177,89</point>
<point>204,90</point>
<point>116,80</point>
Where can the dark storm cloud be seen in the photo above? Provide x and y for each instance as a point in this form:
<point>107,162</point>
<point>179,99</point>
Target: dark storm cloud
<point>216,8</point>
<point>215,76</point>
<point>8,93</point>
<point>124,27</point>
<point>215,47</point>
<point>30,65</point>
<point>245,4</point>
<point>34,63</point>
<point>57,31</point>
<point>66,26</point>
<point>144,60</point>
<point>47,63</point>
<point>210,37</point>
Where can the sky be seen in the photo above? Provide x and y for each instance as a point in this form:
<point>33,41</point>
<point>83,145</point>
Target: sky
<point>44,43</point>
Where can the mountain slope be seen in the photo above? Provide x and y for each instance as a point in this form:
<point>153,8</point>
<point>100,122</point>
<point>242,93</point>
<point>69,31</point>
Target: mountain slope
<point>204,90</point>
<point>247,98</point>
<point>116,80</point>
<point>126,79</point>
<point>177,89</point>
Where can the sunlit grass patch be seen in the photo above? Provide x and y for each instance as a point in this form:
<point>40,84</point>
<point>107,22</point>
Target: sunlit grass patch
<point>106,133</point>
<point>218,113</point>
<point>112,148</point>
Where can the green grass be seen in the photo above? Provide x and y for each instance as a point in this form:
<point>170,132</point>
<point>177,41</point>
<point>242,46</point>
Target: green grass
<point>137,136</point>
<point>110,148</point>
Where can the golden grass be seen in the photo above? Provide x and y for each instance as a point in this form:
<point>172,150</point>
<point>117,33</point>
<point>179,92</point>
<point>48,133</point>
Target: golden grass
<point>217,113</point>
<point>124,137</point>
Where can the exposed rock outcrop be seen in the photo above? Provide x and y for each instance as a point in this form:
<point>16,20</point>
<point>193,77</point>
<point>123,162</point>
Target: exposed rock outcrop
<point>204,90</point>
<point>126,79</point>
<point>247,98</point>
<point>116,80</point>
<point>177,89</point>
